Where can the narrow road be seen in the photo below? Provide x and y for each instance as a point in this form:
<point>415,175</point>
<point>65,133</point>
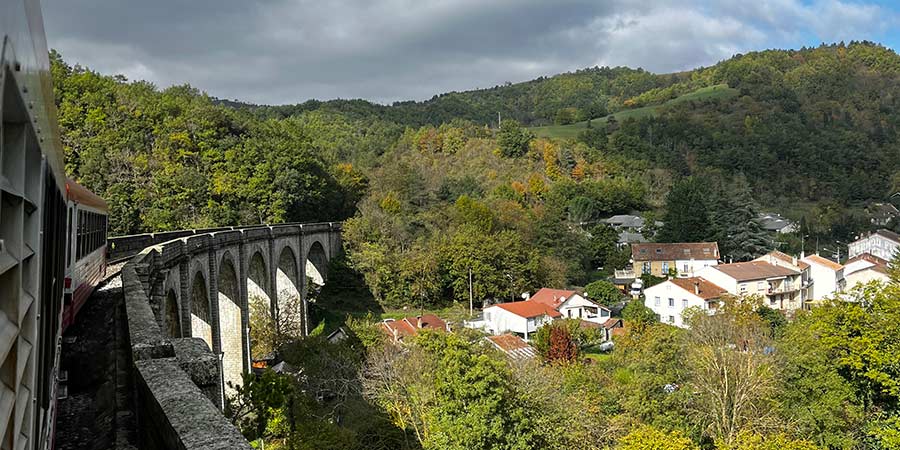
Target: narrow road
<point>98,413</point>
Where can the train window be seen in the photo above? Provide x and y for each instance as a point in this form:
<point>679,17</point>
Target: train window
<point>93,227</point>
<point>69,232</point>
<point>79,241</point>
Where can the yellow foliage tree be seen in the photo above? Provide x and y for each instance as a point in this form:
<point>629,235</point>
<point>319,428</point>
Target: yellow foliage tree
<point>649,438</point>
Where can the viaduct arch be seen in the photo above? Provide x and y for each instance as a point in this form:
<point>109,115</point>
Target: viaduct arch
<point>189,297</point>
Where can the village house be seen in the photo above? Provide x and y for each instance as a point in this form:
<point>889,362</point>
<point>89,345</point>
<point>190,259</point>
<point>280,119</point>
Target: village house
<point>626,222</point>
<point>522,318</point>
<point>781,259</point>
<point>513,346</point>
<point>827,276</point>
<point>670,298</point>
<point>881,214</point>
<point>864,268</point>
<point>882,244</point>
<point>525,317</point>
<point>776,223</point>
<point>782,287</point>
<point>686,258</point>
<point>606,330</point>
<point>571,305</point>
<point>627,238</point>
<point>400,329</point>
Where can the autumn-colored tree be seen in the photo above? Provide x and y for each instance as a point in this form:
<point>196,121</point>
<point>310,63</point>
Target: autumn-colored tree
<point>562,348</point>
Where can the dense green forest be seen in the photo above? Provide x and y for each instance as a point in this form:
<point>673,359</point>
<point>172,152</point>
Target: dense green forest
<point>172,159</point>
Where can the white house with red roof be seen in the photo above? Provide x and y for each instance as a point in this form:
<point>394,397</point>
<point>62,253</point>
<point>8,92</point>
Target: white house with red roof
<point>865,268</point>
<point>572,305</point>
<point>525,317</point>
<point>827,276</point>
<point>780,285</point>
<point>399,329</point>
<point>672,297</point>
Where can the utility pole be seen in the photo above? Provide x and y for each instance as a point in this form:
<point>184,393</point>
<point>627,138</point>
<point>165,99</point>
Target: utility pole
<point>471,301</point>
<point>498,120</point>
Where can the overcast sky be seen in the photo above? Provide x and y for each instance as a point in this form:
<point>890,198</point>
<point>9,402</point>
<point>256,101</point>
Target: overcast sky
<point>288,51</point>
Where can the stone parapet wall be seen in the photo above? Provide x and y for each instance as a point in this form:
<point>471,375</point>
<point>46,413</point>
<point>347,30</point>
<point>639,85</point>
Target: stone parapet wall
<point>177,379</point>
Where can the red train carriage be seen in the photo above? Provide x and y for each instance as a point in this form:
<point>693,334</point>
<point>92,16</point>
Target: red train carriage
<point>86,221</point>
<point>52,234</point>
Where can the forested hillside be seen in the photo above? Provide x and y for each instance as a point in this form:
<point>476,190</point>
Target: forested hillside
<point>813,124</point>
<point>812,127</point>
<point>172,159</point>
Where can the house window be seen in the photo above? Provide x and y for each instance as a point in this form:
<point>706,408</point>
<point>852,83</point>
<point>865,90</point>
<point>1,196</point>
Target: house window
<point>760,285</point>
<point>656,300</point>
<point>685,268</point>
<point>665,267</point>
<point>684,303</point>
<point>671,319</point>
<point>671,303</point>
<point>646,267</point>
<point>743,287</point>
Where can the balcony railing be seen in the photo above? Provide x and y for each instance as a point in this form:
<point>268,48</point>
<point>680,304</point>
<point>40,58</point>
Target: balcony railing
<point>625,274</point>
<point>781,290</point>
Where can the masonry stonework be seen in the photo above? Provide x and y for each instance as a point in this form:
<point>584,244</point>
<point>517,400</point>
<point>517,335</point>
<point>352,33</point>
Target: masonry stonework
<point>186,296</point>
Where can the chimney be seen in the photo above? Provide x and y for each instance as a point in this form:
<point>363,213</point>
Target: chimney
<point>697,288</point>
<point>418,321</point>
<point>794,260</point>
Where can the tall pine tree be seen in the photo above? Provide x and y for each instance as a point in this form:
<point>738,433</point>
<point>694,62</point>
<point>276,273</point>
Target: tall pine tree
<point>687,217</point>
<point>736,223</point>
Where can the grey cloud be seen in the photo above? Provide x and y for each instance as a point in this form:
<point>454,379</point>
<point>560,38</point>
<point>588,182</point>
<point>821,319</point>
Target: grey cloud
<point>287,51</point>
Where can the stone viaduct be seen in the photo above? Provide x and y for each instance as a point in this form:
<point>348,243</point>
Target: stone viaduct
<point>188,297</point>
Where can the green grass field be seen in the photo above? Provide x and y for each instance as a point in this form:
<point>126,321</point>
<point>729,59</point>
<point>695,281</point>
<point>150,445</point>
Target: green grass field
<point>571,131</point>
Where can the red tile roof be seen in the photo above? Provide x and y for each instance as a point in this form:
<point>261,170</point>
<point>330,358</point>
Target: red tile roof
<point>824,262</point>
<point>551,297</point>
<point>613,323</point>
<point>507,342</point>
<point>868,257</point>
<point>754,270</point>
<point>707,289</point>
<point>878,264</point>
<point>785,258</point>
<point>409,326</point>
<point>656,251</point>
<point>513,345</point>
<point>529,308</point>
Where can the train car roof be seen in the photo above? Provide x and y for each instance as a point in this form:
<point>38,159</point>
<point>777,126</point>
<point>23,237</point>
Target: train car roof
<point>26,60</point>
<point>81,195</point>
